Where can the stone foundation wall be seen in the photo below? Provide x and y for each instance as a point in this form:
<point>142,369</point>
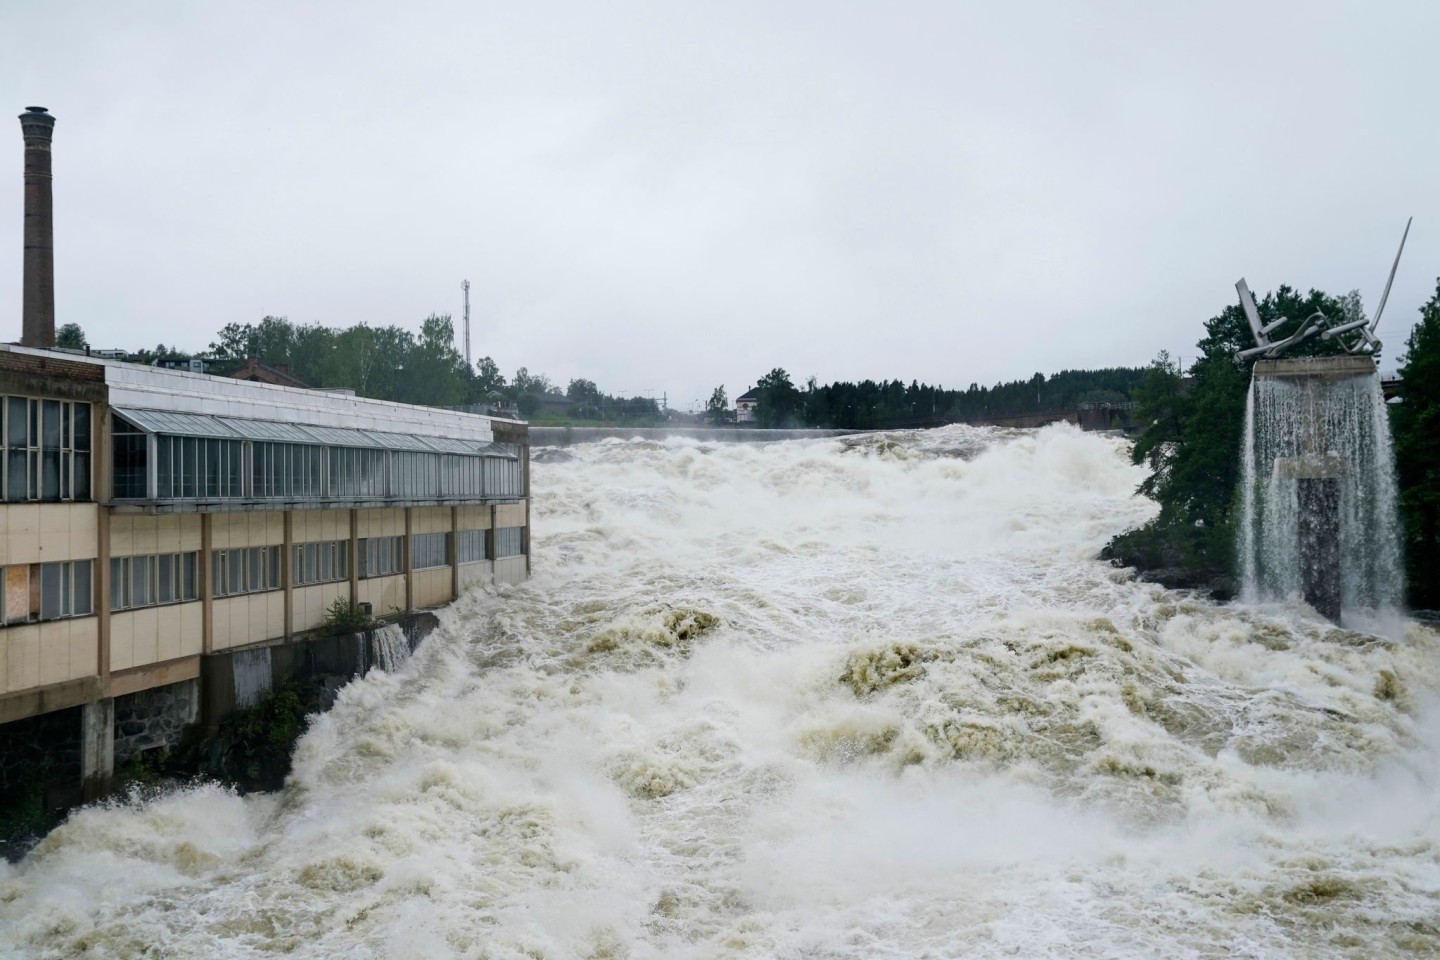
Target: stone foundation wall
<point>155,718</point>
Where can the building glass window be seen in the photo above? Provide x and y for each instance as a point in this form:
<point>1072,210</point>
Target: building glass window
<point>430,550</point>
<point>47,591</point>
<point>44,449</point>
<point>321,562</point>
<point>508,541</point>
<point>382,556</point>
<point>470,546</point>
<point>245,570</point>
<point>198,468</point>
<point>148,581</point>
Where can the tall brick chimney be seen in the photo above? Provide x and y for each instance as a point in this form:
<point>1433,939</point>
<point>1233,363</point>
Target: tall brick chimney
<point>38,316</point>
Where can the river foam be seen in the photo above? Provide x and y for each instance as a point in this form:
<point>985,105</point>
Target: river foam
<point>867,697</point>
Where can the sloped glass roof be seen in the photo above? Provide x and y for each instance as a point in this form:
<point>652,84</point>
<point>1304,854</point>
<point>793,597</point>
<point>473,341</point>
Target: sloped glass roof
<point>179,424</point>
<point>237,428</point>
<point>268,430</point>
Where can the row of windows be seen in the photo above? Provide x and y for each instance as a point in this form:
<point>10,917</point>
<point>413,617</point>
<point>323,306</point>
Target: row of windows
<point>245,570</point>
<point>430,550</point>
<point>51,591</point>
<point>382,556</point>
<point>47,591</point>
<point>188,468</point>
<point>147,581</point>
<point>509,542</point>
<point>321,562</point>
<point>44,449</point>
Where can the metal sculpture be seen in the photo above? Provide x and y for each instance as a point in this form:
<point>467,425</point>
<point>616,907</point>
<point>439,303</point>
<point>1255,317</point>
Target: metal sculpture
<point>1356,336</point>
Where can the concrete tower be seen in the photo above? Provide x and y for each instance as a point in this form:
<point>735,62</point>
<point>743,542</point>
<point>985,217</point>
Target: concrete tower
<point>38,314</point>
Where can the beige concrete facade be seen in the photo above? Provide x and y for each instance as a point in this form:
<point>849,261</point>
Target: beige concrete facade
<point>259,529</point>
<point>248,619</point>
<point>59,658</point>
<point>48,532</point>
<point>512,569</point>
<point>37,655</point>
<point>151,635</point>
<point>385,595</point>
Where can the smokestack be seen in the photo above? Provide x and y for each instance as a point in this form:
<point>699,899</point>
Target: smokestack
<point>38,316</point>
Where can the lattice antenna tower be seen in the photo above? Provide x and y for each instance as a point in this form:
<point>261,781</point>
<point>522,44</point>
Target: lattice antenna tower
<point>465,285</point>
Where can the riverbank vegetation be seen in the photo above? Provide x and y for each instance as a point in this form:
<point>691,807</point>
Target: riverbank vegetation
<point>1193,424</point>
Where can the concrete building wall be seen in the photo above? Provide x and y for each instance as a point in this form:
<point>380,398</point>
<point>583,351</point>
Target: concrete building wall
<point>510,570</point>
<point>510,515</point>
<point>432,587</point>
<point>137,535</point>
<point>480,571</point>
<point>49,532</point>
<point>313,602</point>
<point>40,654</point>
<point>250,618</point>
<point>384,594</point>
<point>258,529</point>
<point>381,523</point>
<point>473,518</point>
<point>309,526</point>
<point>430,520</point>
<point>155,634</point>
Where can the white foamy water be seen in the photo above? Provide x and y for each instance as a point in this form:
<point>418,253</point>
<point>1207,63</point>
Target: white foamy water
<point>811,700</point>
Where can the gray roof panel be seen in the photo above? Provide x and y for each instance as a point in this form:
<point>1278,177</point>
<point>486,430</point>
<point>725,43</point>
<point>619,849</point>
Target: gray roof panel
<point>178,424</point>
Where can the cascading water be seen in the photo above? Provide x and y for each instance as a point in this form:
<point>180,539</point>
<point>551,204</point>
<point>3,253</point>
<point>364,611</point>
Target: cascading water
<point>812,699</point>
<point>251,673</point>
<point>389,648</point>
<point>1316,430</point>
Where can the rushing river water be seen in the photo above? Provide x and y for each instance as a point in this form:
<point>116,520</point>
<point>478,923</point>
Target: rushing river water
<point>814,699</point>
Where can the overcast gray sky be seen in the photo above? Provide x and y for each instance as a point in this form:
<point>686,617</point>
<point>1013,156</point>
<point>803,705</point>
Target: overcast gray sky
<point>669,196</point>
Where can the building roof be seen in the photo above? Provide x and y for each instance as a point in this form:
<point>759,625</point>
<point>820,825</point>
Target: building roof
<point>749,396</point>
<point>138,390</point>
<point>258,372</point>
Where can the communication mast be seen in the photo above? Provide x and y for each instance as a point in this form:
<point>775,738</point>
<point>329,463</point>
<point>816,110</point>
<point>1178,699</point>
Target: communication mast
<point>465,285</point>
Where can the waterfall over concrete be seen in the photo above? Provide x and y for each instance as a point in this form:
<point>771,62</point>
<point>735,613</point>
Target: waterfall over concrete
<point>1318,519</point>
<point>389,648</point>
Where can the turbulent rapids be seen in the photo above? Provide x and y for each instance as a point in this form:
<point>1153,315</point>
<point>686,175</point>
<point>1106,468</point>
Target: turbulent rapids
<point>813,699</point>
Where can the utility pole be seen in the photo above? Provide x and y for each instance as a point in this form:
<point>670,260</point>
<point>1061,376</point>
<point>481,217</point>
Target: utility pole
<point>465,285</point>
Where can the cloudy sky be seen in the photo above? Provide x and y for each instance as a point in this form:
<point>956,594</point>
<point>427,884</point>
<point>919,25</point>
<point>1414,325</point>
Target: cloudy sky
<point>664,197</point>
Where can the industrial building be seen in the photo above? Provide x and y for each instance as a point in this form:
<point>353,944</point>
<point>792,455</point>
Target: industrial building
<point>154,518</point>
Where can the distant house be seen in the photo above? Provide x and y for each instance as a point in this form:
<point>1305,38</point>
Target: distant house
<point>745,405</point>
<point>554,404</point>
<point>279,375</point>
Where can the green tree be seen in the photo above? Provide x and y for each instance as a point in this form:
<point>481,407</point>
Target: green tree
<point>488,379</point>
<point>70,335</point>
<point>1417,455</point>
<point>778,400</point>
<point>718,407</point>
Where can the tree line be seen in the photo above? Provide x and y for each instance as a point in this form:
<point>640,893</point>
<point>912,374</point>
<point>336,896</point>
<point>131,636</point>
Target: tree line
<point>871,404</point>
<point>390,363</point>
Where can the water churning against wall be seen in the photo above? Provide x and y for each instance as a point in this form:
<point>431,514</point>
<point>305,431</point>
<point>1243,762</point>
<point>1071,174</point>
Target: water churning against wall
<point>813,699</point>
<point>389,648</point>
<point>1299,428</point>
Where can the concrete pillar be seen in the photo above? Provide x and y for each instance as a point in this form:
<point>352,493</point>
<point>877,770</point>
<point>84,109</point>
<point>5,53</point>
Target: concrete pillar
<point>207,581</point>
<point>97,748</point>
<point>287,573</point>
<point>454,553</point>
<point>1319,503</point>
<point>409,558</point>
<point>37,317</point>
<point>354,549</point>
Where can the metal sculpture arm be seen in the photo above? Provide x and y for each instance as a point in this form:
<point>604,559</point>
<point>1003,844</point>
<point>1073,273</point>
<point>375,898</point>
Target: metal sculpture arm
<point>1365,343</point>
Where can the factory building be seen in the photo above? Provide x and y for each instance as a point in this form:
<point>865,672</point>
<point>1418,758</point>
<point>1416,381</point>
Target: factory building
<point>151,519</point>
